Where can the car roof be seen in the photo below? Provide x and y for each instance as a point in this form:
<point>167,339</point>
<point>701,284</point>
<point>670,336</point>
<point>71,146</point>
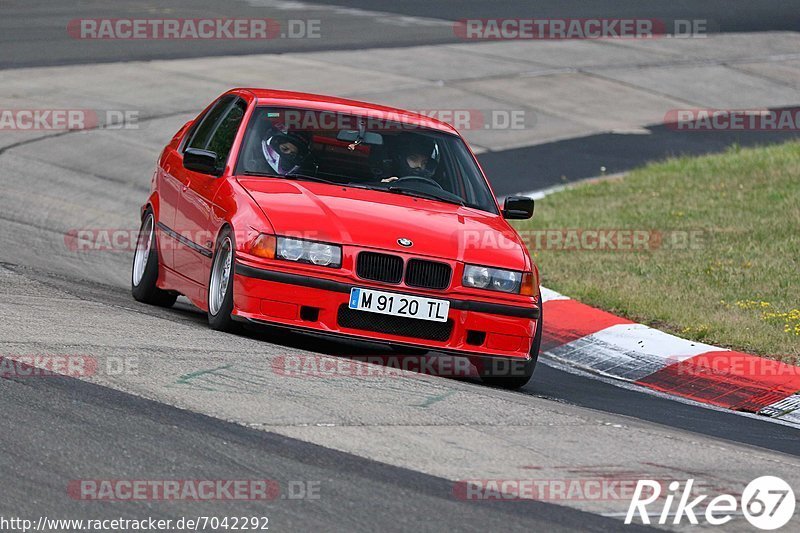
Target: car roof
<point>335,104</point>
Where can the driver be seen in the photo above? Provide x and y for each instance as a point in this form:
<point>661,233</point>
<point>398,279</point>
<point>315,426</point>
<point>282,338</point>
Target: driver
<point>285,152</point>
<point>416,157</point>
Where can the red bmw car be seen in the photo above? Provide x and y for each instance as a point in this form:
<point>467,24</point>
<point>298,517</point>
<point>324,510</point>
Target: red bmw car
<point>344,218</point>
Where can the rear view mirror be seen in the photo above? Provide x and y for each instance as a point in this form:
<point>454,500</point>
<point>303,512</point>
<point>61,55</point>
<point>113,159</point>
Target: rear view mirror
<point>201,161</point>
<point>518,208</point>
<point>369,137</point>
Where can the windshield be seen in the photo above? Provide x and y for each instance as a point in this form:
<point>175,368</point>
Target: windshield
<point>371,152</point>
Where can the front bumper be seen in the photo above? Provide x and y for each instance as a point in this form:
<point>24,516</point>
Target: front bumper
<point>319,305</point>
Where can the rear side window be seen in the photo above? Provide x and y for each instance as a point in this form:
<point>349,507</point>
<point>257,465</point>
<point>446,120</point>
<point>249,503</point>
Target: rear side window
<point>222,139</point>
<point>208,123</point>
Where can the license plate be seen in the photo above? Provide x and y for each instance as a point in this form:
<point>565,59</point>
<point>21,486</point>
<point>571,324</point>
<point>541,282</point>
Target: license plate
<point>391,303</point>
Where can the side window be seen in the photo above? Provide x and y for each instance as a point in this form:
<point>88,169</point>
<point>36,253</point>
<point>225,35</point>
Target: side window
<point>202,133</point>
<point>222,139</point>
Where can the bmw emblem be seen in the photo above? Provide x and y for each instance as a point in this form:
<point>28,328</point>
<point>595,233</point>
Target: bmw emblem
<point>405,242</point>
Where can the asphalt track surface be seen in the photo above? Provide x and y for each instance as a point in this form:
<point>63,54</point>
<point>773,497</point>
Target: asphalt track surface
<point>119,436</point>
<point>722,15</point>
<point>54,430</point>
<point>33,32</point>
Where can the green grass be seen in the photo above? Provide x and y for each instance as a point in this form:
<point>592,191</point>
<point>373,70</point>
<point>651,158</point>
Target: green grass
<point>738,287</point>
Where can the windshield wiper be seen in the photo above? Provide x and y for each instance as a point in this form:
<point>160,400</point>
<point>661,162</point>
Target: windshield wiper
<point>299,176</point>
<point>291,175</point>
<point>429,195</point>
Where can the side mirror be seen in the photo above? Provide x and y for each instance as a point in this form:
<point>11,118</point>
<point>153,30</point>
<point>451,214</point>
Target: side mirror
<point>201,161</point>
<point>518,208</point>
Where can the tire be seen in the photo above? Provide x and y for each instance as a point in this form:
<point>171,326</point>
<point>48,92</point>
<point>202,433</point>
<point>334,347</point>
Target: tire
<point>220,283</point>
<point>511,374</point>
<point>144,273</point>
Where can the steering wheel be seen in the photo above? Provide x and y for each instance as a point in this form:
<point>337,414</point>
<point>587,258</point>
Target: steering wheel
<point>429,181</point>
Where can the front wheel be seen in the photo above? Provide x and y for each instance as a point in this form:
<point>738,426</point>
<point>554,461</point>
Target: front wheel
<point>509,373</point>
<point>144,274</point>
<point>220,283</point>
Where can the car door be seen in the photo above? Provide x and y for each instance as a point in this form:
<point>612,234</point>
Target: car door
<point>193,216</point>
<point>171,178</point>
<point>169,194</point>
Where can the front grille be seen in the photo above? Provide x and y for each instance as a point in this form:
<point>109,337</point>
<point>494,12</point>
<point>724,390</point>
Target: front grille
<point>427,274</point>
<point>394,325</point>
<point>379,267</point>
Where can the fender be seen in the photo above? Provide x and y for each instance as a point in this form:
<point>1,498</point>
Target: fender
<point>234,207</point>
<point>152,202</point>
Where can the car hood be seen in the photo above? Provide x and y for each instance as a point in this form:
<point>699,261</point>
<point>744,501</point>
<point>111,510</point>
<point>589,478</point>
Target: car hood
<point>375,219</point>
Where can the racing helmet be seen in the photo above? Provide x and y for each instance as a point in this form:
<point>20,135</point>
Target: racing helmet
<point>284,152</point>
<point>418,156</point>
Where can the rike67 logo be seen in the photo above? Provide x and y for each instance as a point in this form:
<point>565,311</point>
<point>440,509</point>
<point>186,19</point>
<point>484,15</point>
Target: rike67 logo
<point>767,502</point>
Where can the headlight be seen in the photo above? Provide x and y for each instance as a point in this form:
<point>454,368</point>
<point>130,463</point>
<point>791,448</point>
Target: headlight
<point>316,253</point>
<point>290,249</point>
<point>493,279</point>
